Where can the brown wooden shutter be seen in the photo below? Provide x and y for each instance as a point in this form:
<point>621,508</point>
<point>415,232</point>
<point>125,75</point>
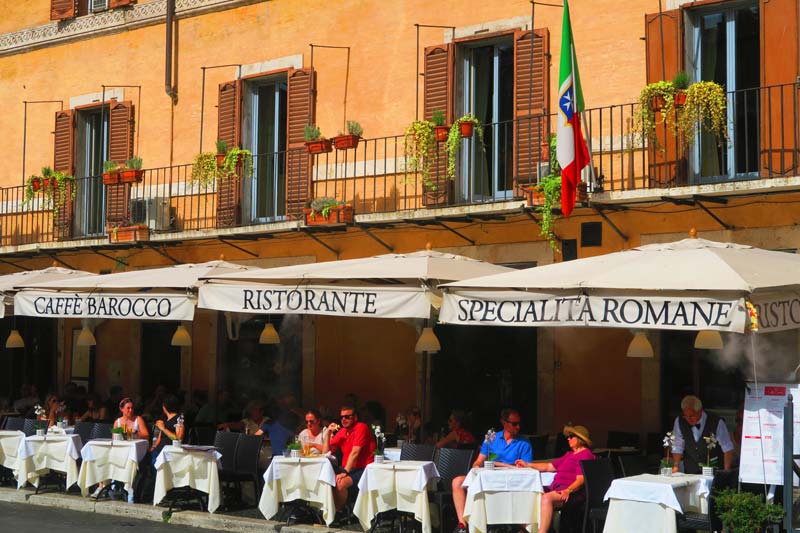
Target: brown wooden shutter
<point>531,99</point>
<point>64,142</point>
<point>780,68</point>
<point>439,67</point>
<point>667,161</point>
<point>298,162</point>
<point>120,3</point>
<point>121,126</point>
<point>63,9</point>
<point>229,113</point>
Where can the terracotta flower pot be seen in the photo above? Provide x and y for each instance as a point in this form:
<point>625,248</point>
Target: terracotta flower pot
<point>320,146</point>
<point>657,103</point>
<point>36,185</point>
<point>342,214</point>
<point>131,176</point>
<point>534,196</point>
<point>467,129</point>
<point>343,142</point>
<point>441,133</point>
<point>680,99</point>
<point>136,232</point>
<point>220,159</point>
<point>110,178</point>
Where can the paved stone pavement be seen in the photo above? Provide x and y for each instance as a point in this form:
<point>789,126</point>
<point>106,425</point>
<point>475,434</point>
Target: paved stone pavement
<point>30,518</point>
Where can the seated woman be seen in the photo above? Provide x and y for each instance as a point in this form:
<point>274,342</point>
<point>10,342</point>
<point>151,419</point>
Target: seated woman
<point>458,436</point>
<point>95,410</point>
<point>254,418</point>
<point>314,434</point>
<point>568,481</point>
<point>170,425</point>
<point>132,423</point>
<point>52,409</point>
<point>414,421</point>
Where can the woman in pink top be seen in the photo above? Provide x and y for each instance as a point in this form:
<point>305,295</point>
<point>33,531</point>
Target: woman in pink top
<point>569,476</point>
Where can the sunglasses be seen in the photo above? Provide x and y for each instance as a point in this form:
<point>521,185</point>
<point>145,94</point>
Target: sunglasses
<point>311,421</point>
<point>515,424</point>
<point>347,417</point>
<point>572,436</point>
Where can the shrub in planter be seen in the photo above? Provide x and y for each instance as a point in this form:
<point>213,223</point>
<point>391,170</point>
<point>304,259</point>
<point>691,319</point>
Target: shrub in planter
<point>745,512</point>
<point>351,139</point>
<point>222,149</point>
<point>440,130</point>
<point>315,142</point>
<point>237,163</point>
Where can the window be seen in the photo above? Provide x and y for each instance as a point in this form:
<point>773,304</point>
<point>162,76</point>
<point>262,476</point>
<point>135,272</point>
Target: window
<point>91,150</point>
<point>725,49</point>
<point>264,134</point>
<point>486,80</point>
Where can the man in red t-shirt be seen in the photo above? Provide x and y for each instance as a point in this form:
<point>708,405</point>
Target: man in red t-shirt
<point>357,443</point>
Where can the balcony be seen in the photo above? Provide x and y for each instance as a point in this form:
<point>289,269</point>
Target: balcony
<point>761,152</point>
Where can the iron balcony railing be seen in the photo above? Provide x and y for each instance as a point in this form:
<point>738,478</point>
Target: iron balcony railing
<point>762,142</point>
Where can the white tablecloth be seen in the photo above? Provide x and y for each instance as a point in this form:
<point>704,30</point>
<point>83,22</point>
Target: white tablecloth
<point>188,466</point>
<point>395,485</point>
<point>9,446</point>
<point>654,500</point>
<point>502,496</point>
<point>104,460</point>
<point>311,479</point>
<point>38,455</point>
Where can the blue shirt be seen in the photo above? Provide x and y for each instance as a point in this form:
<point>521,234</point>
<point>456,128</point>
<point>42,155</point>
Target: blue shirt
<point>278,436</point>
<point>509,452</point>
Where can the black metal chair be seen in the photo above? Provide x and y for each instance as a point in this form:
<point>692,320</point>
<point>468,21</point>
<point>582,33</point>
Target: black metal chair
<point>226,442</point>
<point>451,463</point>
<point>100,430</point>
<point>417,452</point>
<point>248,449</point>
<point>632,465</point>
<point>723,479</point>
<point>622,439</point>
<point>29,427</point>
<point>14,423</point>
<point>539,445</point>
<point>597,475</point>
<point>84,430</point>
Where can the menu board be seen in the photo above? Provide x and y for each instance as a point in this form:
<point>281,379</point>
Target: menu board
<point>761,459</point>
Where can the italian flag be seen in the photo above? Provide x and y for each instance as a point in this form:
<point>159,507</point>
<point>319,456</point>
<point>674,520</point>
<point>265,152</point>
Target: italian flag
<point>570,146</point>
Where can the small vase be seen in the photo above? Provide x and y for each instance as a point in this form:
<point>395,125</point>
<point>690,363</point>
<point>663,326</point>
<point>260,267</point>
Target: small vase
<point>379,459</point>
<point>287,453</point>
<point>40,432</point>
<point>708,471</point>
<point>295,454</point>
<point>176,443</point>
<point>116,436</point>
<point>666,471</point>
<point>488,465</point>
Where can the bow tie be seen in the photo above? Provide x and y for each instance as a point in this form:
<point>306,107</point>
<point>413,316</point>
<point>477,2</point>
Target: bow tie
<point>697,426</point>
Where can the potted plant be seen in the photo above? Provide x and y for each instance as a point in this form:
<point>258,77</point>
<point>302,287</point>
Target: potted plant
<point>711,462</point>
<point>32,186</point>
<point>131,171</point>
<point>658,97</point>
<point>222,149</point>
<point>294,449</point>
<point>419,150</point>
<point>455,136</point>
<point>315,142</point>
<point>117,433</point>
<point>680,82</point>
<point>237,163</point>
<point>666,462</point>
<point>705,110</point>
<point>110,173</point>
<point>349,140</point>
<point>204,169</point>
<point>128,233</point>
<point>63,189</point>
<point>327,210</point>
<point>47,180</point>
<point>745,512</point>
<point>440,130</point>
<point>491,456</point>
<point>380,444</point>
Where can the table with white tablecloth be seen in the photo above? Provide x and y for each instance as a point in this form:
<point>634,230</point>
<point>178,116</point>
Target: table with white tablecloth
<point>401,485</point>
<point>36,456</point>
<point>654,500</point>
<point>188,466</point>
<point>9,446</point>
<point>503,496</point>
<point>311,479</point>
<point>105,460</point>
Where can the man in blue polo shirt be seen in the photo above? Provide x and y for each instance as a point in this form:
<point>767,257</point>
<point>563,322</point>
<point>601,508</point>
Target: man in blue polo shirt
<point>506,447</point>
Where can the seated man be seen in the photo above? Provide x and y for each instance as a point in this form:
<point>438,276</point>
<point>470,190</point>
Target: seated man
<point>508,449</point>
<point>356,442</point>
<point>690,430</point>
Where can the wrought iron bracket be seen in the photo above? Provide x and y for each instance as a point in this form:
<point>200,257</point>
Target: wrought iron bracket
<point>116,259</point>
<point>54,257</point>
<point>321,242</point>
<point>245,250</point>
<point>162,252</point>
<point>366,229</point>
<point>599,208</point>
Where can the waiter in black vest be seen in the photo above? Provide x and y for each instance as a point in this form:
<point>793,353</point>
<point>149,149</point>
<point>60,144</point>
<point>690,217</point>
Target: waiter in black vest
<point>690,446</point>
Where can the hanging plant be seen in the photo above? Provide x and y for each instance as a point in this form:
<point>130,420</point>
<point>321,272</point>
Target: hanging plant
<point>419,147</point>
<point>204,169</point>
<point>455,137</point>
<point>236,160</point>
<point>550,187</point>
<point>32,186</point>
<point>658,97</point>
<point>64,187</point>
<point>705,110</point>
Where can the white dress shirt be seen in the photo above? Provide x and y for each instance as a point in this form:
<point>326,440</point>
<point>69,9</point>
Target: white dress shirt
<point>723,437</point>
